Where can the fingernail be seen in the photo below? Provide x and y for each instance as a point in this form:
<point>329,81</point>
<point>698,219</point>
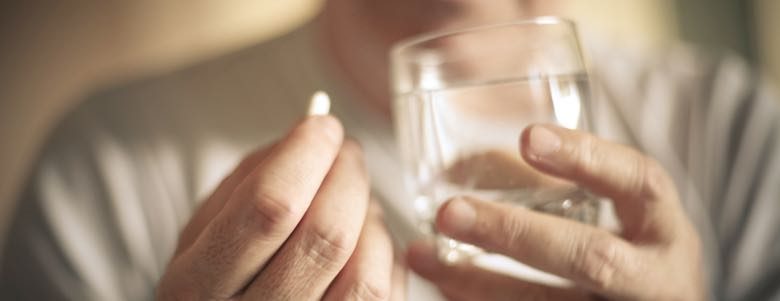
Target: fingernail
<point>456,217</point>
<point>422,257</point>
<point>543,142</point>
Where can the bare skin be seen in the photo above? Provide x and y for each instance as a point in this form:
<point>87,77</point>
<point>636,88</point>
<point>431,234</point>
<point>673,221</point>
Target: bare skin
<point>657,257</point>
<point>293,221</point>
<point>278,228</point>
<point>357,34</point>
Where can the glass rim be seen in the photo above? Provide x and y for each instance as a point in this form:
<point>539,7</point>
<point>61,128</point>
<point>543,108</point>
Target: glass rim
<point>410,42</point>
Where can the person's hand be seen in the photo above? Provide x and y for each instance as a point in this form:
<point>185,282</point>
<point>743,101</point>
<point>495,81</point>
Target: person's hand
<point>656,257</point>
<point>292,222</point>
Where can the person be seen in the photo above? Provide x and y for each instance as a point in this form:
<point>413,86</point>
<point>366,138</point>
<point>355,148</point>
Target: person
<point>112,210</point>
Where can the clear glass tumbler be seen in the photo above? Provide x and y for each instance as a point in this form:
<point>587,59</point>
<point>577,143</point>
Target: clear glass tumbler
<point>461,101</point>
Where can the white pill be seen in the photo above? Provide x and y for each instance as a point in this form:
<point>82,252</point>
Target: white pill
<point>319,104</point>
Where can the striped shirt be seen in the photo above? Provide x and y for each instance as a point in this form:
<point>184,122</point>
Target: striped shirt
<point>121,174</point>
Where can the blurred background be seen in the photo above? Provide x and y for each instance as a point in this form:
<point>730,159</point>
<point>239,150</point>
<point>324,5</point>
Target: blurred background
<point>55,53</point>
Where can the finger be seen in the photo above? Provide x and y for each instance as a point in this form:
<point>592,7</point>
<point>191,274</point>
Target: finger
<point>261,213</point>
<point>324,240</point>
<point>644,196</point>
<point>591,257</point>
<point>465,281</point>
<point>214,203</point>
<point>400,277</point>
<point>368,273</point>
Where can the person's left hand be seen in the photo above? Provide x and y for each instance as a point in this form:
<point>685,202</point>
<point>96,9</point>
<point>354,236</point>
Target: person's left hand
<point>656,257</point>
<point>293,221</point>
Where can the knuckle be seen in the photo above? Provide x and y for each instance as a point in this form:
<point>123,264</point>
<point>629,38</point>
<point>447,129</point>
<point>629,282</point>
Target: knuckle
<point>650,180</point>
<point>596,263</point>
<point>330,249</point>
<point>635,186</point>
<point>221,245</point>
<point>512,231</point>
<point>273,211</point>
<point>368,290</point>
<point>588,157</point>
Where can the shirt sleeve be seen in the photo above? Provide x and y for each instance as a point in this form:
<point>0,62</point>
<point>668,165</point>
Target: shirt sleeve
<point>69,237</point>
<point>713,123</point>
<point>743,124</point>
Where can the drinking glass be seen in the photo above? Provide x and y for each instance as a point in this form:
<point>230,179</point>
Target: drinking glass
<point>462,99</point>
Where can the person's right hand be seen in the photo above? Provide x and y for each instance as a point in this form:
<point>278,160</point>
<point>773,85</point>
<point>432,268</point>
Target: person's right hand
<point>292,222</point>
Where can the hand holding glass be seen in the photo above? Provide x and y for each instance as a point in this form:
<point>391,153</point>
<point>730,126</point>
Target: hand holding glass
<point>463,97</point>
